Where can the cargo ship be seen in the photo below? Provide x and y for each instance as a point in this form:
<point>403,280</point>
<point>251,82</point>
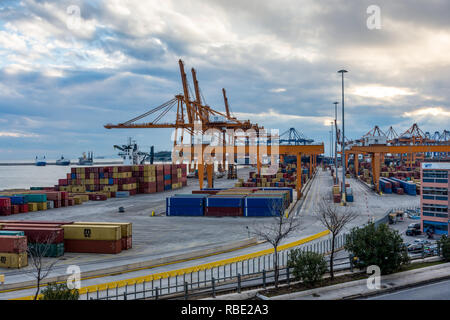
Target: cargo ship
<point>62,162</point>
<point>86,161</point>
<point>40,162</point>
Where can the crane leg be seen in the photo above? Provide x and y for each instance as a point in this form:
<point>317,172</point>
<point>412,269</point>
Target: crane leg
<point>200,175</point>
<point>356,164</point>
<point>209,173</point>
<point>299,175</point>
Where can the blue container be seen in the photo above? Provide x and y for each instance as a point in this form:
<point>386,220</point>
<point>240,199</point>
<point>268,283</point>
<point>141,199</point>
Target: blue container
<point>291,191</point>
<point>259,212</point>
<point>222,201</point>
<point>264,202</point>
<point>12,233</point>
<point>18,200</point>
<point>167,177</point>
<point>168,187</point>
<point>101,175</point>
<point>185,202</point>
<point>185,211</point>
<point>73,175</point>
<point>111,181</point>
<point>349,198</point>
<point>122,194</point>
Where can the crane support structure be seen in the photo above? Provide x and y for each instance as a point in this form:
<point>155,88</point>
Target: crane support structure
<point>218,152</point>
<point>377,153</point>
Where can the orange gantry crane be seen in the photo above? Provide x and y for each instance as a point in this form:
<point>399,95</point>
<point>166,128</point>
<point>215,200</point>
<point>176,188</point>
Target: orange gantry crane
<point>413,142</point>
<point>194,117</point>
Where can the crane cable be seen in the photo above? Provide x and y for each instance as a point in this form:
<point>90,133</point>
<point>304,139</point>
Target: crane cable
<point>165,104</point>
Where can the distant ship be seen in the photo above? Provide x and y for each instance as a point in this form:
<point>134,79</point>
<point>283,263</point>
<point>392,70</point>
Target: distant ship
<point>86,161</point>
<point>40,162</point>
<point>62,162</point>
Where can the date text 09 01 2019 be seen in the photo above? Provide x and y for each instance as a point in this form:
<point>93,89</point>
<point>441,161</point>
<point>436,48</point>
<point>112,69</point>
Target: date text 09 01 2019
<point>230,309</point>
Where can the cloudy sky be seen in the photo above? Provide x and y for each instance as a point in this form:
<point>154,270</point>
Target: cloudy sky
<point>63,78</point>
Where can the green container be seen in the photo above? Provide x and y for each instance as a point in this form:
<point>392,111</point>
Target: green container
<point>55,250</point>
<point>12,233</point>
<point>36,188</point>
<point>35,197</point>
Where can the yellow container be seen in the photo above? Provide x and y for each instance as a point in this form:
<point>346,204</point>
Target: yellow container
<point>78,189</point>
<point>32,206</point>
<point>126,228</point>
<point>91,232</point>
<point>41,206</point>
<point>13,260</point>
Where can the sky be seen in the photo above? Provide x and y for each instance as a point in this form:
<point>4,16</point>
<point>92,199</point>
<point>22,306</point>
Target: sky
<point>69,67</point>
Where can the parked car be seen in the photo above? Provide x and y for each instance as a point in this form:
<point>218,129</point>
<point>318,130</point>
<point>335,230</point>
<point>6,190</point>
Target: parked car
<point>413,229</point>
<point>415,247</point>
<point>431,250</point>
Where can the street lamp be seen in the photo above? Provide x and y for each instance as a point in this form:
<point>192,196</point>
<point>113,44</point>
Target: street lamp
<point>335,141</point>
<point>343,140</point>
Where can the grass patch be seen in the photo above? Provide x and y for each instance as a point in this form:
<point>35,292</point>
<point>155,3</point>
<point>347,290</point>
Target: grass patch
<point>323,283</point>
<point>413,266</point>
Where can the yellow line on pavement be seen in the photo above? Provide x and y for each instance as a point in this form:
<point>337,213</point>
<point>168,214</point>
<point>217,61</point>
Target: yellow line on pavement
<point>179,272</point>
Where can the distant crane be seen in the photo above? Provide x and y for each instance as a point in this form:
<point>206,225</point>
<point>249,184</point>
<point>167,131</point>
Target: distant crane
<point>294,137</point>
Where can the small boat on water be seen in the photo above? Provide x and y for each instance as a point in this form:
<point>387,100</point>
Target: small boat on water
<point>40,162</point>
<point>62,162</point>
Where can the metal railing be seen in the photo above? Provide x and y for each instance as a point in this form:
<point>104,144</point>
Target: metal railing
<point>202,278</point>
<point>233,277</point>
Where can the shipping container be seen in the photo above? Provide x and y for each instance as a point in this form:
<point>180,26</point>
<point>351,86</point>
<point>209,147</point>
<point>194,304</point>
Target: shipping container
<point>13,260</point>
<point>47,250</point>
<point>13,244</point>
<point>93,246</point>
<point>34,234</point>
<point>83,232</point>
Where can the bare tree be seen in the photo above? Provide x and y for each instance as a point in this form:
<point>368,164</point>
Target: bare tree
<point>37,252</point>
<point>334,218</point>
<point>280,226</point>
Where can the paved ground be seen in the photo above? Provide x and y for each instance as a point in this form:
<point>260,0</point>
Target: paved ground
<point>160,236</point>
<point>432,291</point>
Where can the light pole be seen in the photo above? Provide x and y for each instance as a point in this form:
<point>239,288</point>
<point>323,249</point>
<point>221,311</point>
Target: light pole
<point>343,140</point>
<point>335,141</point>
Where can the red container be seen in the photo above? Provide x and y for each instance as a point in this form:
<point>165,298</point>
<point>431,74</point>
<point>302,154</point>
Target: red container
<point>400,191</point>
<point>126,243</point>
<point>5,202</point>
<point>15,209</point>
<point>223,212</point>
<point>62,182</point>
<point>5,211</point>
<point>58,223</point>
<point>53,196</point>
<point>39,234</point>
<point>23,208</point>
<point>205,191</point>
<point>93,246</point>
<point>13,244</point>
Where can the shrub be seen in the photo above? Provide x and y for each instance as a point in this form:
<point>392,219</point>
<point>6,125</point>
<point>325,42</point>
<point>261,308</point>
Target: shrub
<point>60,291</point>
<point>309,267</point>
<point>444,244</point>
<point>378,246</point>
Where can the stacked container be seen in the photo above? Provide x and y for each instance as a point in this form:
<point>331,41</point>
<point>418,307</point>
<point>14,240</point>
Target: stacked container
<point>46,238</point>
<point>5,206</point>
<point>85,238</point>
<point>263,205</point>
<point>167,177</point>
<point>224,205</point>
<point>125,230</point>
<point>186,205</point>
<point>13,251</point>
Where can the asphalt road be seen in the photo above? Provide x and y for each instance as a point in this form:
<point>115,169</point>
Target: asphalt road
<point>432,291</point>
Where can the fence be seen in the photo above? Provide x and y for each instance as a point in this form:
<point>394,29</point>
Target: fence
<point>254,272</point>
<point>208,278</point>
